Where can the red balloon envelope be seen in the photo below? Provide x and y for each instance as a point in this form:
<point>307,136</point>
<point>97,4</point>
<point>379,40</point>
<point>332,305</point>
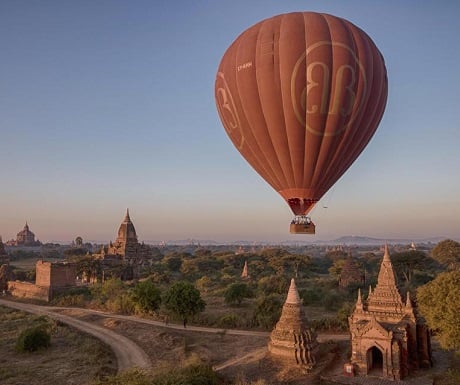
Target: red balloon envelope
<point>300,96</point>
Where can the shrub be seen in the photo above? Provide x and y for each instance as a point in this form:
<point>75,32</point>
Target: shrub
<point>332,301</point>
<point>236,292</point>
<point>229,321</point>
<point>311,296</point>
<point>33,339</point>
<point>268,311</point>
<point>123,304</point>
<point>70,300</point>
<point>146,296</point>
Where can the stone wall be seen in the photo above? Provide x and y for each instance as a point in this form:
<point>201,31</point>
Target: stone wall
<point>29,290</point>
<point>55,275</point>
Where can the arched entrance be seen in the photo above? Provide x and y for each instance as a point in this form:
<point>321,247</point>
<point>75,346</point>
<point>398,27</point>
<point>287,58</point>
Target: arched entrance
<point>374,361</point>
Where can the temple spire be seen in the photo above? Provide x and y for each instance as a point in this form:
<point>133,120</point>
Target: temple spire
<point>359,302</point>
<point>127,218</point>
<point>293,295</point>
<point>386,295</point>
<point>245,273</point>
<point>408,301</point>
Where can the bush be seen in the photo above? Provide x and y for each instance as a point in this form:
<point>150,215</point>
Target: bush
<point>332,301</point>
<point>122,304</point>
<point>33,339</point>
<point>236,292</point>
<point>70,300</point>
<point>268,311</point>
<point>146,296</point>
<point>229,321</point>
<point>311,296</point>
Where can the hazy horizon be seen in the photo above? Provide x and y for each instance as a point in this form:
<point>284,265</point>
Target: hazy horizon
<point>108,105</point>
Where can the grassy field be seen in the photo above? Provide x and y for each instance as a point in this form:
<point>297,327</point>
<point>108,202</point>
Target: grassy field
<point>73,358</point>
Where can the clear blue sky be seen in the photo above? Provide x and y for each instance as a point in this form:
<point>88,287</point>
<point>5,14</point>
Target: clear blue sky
<point>106,105</point>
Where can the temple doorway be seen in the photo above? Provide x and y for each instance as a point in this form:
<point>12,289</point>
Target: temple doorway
<point>374,361</point>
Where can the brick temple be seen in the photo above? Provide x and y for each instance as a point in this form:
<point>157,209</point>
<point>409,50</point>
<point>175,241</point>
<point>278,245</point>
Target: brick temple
<point>126,252</point>
<point>388,338</point>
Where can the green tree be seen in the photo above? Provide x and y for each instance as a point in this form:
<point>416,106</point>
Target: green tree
<point>407,262</point>
<point>204,283</point>
<point>336,269</point>
<point>268,311</point>
<point>273,284</point>
<point>439,302</point>
<point>236,292</point>
<point>173,262</point>
<point>447,253</point>
<point>146,296</point>
<point>296,262</point>
<point>189,268</point>
<point>183,300</point>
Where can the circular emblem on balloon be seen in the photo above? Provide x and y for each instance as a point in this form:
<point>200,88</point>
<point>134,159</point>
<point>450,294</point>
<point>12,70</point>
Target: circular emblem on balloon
<point>330,88</point>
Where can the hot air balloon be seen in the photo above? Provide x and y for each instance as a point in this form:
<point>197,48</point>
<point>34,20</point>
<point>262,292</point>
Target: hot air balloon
<point>300,95</point>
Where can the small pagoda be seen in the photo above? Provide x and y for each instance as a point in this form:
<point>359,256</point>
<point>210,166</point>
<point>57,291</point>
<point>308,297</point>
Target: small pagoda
<point>245,273</point>
<point>388,338</point>
<point>292,339</point>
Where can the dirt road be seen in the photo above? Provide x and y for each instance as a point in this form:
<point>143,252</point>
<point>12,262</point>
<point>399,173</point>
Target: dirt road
<point>127,352</point>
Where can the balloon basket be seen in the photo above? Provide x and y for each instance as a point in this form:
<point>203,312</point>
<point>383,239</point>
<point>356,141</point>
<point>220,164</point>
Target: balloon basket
<point>302,225</point>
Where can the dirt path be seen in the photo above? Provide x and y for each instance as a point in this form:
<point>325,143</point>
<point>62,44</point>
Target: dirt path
<point>130,354</point>
<point>322,337</point>
<point>127,352</point>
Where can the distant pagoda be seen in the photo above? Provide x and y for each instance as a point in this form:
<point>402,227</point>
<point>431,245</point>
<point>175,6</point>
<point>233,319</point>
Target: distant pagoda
<point>26,237</point>
<point>292,339</point>
<point>388,338</point>
<point>245,274</point>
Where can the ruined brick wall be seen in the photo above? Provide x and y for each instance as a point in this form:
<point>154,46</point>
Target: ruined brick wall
<point>43,273</point>
<point>29,290</point>
<point>55,274</point>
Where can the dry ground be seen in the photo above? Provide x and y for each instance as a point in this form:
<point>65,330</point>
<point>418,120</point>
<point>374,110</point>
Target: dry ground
<point>76,359</point>
<point>73,358</point>
<point>235,357</point>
